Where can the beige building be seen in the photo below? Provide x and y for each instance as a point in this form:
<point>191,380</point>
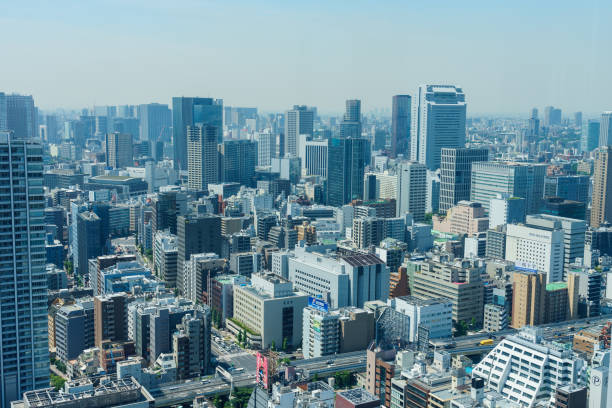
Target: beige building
<point>528,299</point>
<point>270,308</point>
<point>459,281</point>
<point>601,209</point>
<point>466,217</point>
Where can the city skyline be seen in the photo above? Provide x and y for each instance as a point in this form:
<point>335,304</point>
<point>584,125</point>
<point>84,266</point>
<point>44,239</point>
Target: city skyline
<point>336,53</point>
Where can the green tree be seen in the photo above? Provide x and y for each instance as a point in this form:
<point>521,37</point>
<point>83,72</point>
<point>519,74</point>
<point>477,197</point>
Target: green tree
<point>315,377</point>
<point>245,338</point>
<point>68,266</point>
<point>57,382</point>
<point>285,341</point>
<point>461,328</point>
<point>273,345</point>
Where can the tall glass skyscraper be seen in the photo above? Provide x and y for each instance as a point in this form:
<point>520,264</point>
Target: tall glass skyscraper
<point>589,140</point>
<point>24,355</point>
<point>400,125</point>
<point>438,120</point>
<point>189,112</point>
<point>345,170</point>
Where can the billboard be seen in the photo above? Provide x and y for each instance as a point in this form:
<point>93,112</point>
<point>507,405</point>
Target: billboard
<point>261,375</point>
<point>317,303</point>
<point>526,266</point>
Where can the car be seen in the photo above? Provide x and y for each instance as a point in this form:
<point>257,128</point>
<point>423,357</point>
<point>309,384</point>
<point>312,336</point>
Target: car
<point>330,361</point>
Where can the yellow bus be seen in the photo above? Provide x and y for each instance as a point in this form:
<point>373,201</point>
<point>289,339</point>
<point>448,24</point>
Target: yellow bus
<point>486,342</point>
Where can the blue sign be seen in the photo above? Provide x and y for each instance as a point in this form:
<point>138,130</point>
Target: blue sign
<point>318,304</point>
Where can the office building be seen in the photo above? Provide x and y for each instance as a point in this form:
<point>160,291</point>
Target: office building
<point>202,157</point>
<point>522,355</point>
<point>528,298</point>
<point>155,122</point>
<point>368,231</point>
<point>573,188</point>
<point>456,174</point>
<point>347,281</point>
<point>166,206</point>
<point>437,121</point>
<point>123,392</point>
<point>73,330</point>
<point>538,246</point>
<point>238,161</point>
<point>435,316</point>
<point>561,207</point>
<point>271,310</point>
<point>266,147</point>
<point>525,180</point>
<point>459,281</point>
<point>412,190</point>
<point>320,334</point>
<point>504,209</point>
<point>356,398</point>
<point>574,231</point>
<point>605,129</point>
<point>465,218</point>
<point>495,318</point>
<point>589,140</point>
<point>24,349</point>
<point>165,257</point>
<point>119,150</point>
<point>188,111</point>
<point>570,395</point>
<point>315,158</point>
<point>400,125</point>
<point>552,116</point>
<point>350,127</point>
<point>391,251</point>
<point>110,318</point>
<point>298,121</point>
<point>196,234</point>
<point>601,210</point>
<point>197,274</point>
<point>191,344</point>
<point>89,244</point>
<point>345,170</point>
<point>380,185</point>
<point>19,115</point>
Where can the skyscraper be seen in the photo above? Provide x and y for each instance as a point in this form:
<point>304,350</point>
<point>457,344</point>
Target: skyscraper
<point>155,122</point>
<point>89,232</point>
<point>21,116</point>
<point>578,119</point>
<point>589,140</point>
<point>202,156</point>
<point>3,119</point>
<point>456,174</point>
<point>351,122</point>
<point>119,150</point>
<point>552,116</point>
<point>345,170</point>
<point>601,210</point>
<point>315,160</point>
<point>524,180</point>
<point>400,126</point>
<point>438,120</point>
<point>266,147</point>
<point>238,161</point>
<point>298,121</point>
<point>24,355</point>
<point>605,129</point>
<point>189,112</point>
<point>412,190</point>
<point>196,235</point>
<point>534,125</point>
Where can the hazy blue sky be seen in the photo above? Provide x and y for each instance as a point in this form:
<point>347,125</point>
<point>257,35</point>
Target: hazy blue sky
<point>507,55</point>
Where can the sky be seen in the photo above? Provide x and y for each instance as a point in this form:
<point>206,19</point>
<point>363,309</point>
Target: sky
<point>508,56</point>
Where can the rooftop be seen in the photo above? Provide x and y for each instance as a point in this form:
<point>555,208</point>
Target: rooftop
<point>358,396</point>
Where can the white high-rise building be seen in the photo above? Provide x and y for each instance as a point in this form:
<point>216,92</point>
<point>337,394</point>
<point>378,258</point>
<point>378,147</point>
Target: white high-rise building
<point>266,147</point>
<point>536,247</point>
<point>605,129</point>
<point>315,158</point>
<point>436,315</point>
<point>24,354</point>
<point>526,370</point>
<point>321,332</point>
<point>438,120</point>
<point>506,210</point>
<point>202,157</point>
<point>412,190</point>
<point>298,121</point>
